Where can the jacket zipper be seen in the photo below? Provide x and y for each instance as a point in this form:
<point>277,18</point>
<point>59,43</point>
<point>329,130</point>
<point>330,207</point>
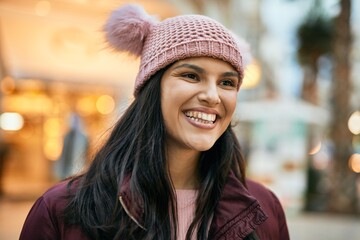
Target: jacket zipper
<point>129,214</point>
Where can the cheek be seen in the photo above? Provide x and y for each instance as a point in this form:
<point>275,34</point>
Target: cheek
<point>230,104</point>
<point>165,95</point>
<point>168,99</point>
<point>170,104</point>
<point>174,93</point>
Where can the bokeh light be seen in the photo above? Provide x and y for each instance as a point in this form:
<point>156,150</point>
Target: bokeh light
<point>105,104</point>
<point>11,121</point>
<point>252,75</point>
<point>315,149</point>
<point>53,148</point>
<point>354,122</point>
<point>85,106</point>
<point>53,127</point>
<point>354,162</point>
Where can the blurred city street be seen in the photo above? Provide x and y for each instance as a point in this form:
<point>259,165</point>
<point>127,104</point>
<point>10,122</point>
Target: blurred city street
<point>297,115</point>
<point>302,226</point>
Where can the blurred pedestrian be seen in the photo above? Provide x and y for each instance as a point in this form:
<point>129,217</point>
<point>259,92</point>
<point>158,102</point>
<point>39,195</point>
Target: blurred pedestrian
<point>74,151</point>
<point>172,166</point>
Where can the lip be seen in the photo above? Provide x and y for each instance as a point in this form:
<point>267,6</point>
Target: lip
<point>199,124</point>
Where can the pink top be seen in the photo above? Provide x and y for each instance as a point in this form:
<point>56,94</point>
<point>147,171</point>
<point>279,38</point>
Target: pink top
<point>186,199</point>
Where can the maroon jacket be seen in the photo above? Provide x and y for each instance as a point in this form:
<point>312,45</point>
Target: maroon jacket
<point>239,212</point>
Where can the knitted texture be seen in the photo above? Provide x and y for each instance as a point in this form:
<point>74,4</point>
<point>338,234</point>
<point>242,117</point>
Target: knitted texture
<point>175,39</point>
<point>183,37</point>
<point>185,199</point>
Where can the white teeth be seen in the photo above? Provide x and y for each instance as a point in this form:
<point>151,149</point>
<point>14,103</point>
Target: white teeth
<point>201,116</point>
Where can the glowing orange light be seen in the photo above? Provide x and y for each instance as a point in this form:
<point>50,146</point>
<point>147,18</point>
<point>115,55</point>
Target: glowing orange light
<point>354,162</point>
<point>52,149</point>
<point>252,76</point>
<point>52,127</point>
<point>85,106</point>
<point>315,149</point>
<point>105,104</point>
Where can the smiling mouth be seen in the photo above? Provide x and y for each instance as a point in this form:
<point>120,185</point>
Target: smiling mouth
<point>201,117</point>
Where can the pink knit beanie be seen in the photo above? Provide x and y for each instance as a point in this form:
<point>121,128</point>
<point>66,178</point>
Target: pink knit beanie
<point>131,29</point>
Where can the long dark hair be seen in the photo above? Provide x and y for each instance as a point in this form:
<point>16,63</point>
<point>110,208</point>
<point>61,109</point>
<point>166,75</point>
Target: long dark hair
<point>136,147</point>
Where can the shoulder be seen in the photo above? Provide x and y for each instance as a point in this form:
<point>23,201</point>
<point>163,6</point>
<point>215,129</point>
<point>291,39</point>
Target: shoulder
<point>276,223</point>
<point>45,221</point>
<point>57,195</point>
<point>259,191</point>
<point>264,195</point>
<point>55,199</point>
<point>57,190</point>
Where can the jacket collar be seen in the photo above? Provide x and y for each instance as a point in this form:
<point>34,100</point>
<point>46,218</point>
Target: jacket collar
<point>132,205</point>
<point>237,214</point>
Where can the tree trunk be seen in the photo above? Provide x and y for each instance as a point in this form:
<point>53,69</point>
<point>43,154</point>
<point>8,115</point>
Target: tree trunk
<point>309,87</point>
<point>343,188</point>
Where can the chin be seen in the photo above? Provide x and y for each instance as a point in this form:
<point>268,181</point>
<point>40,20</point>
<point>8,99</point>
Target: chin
<point>201,147</point>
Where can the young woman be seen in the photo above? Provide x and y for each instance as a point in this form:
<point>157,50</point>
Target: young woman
<point>172,167</point>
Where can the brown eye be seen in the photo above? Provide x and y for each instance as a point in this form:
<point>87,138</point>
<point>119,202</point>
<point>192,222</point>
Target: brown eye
<point>228,83</point>
<point>190,75</point>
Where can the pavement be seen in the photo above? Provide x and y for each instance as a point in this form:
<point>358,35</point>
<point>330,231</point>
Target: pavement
<point>320,226</point>
<point>302,226</point>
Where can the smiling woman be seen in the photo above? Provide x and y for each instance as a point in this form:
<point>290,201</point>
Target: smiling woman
<point>172,166</point>
<point>198,99</point>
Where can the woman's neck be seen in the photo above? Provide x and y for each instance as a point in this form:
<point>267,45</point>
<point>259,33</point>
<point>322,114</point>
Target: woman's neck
<point>183,167</point>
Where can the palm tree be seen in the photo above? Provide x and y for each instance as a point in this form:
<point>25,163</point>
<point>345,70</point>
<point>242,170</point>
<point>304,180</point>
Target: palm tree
<point>315,36</point>
<point>343,195</point>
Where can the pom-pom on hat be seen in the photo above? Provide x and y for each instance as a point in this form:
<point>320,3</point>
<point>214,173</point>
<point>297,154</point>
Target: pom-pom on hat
<point>130,29</point>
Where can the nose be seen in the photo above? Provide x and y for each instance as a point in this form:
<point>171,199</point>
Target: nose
<point>209,94</point>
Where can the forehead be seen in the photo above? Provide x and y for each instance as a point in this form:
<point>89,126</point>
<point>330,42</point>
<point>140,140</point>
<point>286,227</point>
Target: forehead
<point>206,63</point>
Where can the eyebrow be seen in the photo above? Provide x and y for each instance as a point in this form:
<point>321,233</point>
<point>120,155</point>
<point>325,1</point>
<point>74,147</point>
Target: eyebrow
<point>201,70</point>
<point>230,74</point>
<point>196,68</point>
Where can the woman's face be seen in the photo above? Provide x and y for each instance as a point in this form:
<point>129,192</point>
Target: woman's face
<point>198,99</point>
